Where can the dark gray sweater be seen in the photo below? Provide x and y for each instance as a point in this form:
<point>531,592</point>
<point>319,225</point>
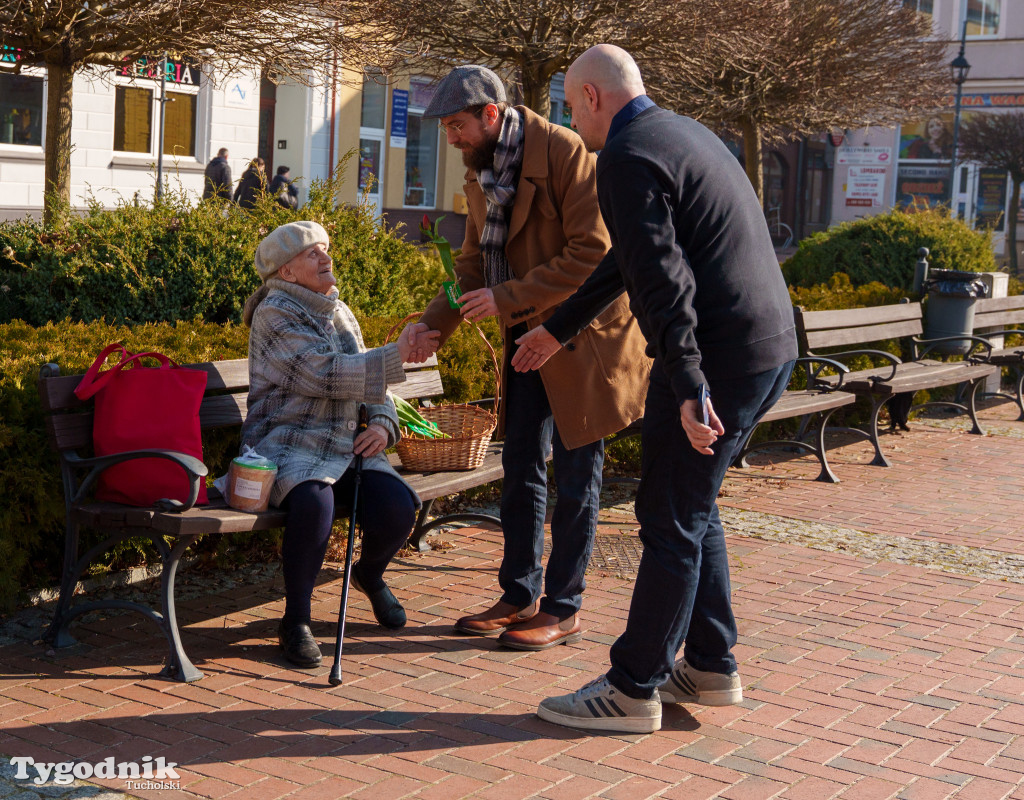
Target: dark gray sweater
<point>691,248</point>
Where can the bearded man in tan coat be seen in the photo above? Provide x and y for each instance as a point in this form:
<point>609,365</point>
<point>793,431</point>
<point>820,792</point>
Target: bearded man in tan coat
<point>533,235</point>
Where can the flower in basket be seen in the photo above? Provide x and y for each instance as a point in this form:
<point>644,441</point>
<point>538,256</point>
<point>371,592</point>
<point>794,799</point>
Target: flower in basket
<point>444,250</point>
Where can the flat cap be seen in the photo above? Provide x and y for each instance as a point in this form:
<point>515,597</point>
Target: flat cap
<point>463,87</point>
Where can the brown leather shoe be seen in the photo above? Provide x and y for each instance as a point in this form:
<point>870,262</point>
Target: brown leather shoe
<point>542,632</point>
<point>495,619</point>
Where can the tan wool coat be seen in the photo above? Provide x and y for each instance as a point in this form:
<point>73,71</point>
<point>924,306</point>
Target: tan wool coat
<point>596,384</point>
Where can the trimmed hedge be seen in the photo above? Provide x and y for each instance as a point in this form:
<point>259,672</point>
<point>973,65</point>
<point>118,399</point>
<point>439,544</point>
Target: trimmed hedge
<point>883,249</point>
<point>173,261</point>
<point>32,514</point>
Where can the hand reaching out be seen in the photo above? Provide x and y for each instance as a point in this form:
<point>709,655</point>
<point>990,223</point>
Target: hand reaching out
<point>478,304</point>
<point>535,348</point>
<point>417,343</point>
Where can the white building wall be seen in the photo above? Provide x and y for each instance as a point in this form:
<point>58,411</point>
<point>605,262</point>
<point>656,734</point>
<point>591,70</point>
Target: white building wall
<point>227,115</point>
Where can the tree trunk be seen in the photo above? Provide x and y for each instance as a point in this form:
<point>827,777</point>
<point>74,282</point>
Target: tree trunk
<point>1011,226</point>
<point>537,98</point>
<point>752,157</point>
<point>57,175</point>
<point>536,89</point>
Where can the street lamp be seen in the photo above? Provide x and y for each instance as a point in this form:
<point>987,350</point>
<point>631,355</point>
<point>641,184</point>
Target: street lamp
<point>958,70</point>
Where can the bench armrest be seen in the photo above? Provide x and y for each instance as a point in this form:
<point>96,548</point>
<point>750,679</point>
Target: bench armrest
<point>812,373</point>
<point>930,344</point>
<point>893,360</point>
<point>987,335</point>
<point>193,467</point>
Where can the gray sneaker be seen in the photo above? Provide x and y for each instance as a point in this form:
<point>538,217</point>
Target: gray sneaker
<point>686,684</point>
<point>600,706</point>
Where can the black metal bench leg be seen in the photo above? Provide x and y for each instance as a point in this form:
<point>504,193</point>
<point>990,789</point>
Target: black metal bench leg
<point>972,406</point>
<point>826,475</point>
<point>418,537</point>
<point>57,633</point>
<point>1020,392</point>
<point>740,462</point>
<point>178,665</point>
<point>876,408</point>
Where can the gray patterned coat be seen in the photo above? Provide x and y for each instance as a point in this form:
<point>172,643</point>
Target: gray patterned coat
<point>308,373</point>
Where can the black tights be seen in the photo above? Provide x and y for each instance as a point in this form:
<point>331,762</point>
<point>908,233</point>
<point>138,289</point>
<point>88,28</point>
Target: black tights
<point>386,513</point>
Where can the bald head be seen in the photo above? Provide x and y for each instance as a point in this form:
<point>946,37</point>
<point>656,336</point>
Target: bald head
<point>611,69</point>
<point>597,85</point>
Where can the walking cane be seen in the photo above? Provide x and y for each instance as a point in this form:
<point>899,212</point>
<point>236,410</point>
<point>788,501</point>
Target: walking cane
<point>335,678</point>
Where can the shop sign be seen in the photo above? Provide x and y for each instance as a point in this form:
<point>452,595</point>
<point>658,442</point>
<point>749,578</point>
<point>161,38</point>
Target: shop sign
<point>863,156</point>
<point>399,117</point>
<point>990,100</point>
<point>990,202</point>
<point>180,72</point>
<point>865,186</point>
<point>9,55</point>
<point>919,188</point>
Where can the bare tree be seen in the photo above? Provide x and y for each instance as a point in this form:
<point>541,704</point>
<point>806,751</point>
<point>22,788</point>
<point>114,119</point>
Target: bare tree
<point>531,40</point>
<point>775,69</point>
<point>997,140</point>
<point>293,38</point>
<point>765,69</point>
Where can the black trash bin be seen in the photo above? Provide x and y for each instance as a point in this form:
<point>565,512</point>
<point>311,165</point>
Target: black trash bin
<point>949,310</point>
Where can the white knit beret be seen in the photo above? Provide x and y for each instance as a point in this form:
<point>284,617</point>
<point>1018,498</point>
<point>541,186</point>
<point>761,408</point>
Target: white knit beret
<point>285,242</point>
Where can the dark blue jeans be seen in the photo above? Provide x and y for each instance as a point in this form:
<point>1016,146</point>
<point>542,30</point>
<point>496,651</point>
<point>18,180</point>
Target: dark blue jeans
<point>682,586</point>
<point>529,435</point>
<point>386,513</point>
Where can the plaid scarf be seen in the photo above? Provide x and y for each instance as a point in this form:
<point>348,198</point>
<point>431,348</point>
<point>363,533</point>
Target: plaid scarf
<point>499,188</point>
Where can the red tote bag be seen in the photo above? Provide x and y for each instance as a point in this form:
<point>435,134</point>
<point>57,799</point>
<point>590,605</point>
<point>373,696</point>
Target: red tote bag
<point>142,408</point>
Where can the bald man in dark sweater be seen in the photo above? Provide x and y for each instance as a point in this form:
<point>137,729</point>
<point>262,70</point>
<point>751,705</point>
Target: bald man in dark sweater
<point>691,249</point>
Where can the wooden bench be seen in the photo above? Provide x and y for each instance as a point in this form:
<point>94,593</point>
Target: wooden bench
<point>828,330</point>
<point>814,406</point>
<point>69,425</point>
<point>992,320</point>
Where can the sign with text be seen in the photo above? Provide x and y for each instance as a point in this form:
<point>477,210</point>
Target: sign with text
<point>863,156</point>
<point>865,186</point>
<point>184,73</point>
<point>399,117</point>
<point>918,188</point>
<point>990,201</point>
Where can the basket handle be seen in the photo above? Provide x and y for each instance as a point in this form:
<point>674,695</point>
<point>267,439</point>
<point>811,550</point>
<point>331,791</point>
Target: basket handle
<point>490,348</point>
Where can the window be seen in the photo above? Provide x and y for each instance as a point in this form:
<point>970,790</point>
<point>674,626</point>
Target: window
<point>421,161</point>
<point>137,108</point>
<point>21,109</point>
<point>920,6</point>
<point>375,94</point>
<point>983,17</point>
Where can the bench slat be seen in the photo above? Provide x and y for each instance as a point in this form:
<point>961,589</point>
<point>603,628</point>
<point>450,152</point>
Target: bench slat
<point>845,337</point>
<point>798,403</point>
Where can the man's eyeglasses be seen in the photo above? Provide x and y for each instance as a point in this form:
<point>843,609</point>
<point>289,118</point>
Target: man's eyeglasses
<point>452,127</point>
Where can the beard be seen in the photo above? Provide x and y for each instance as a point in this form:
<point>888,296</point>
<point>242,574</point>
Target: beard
<point>482,157</point>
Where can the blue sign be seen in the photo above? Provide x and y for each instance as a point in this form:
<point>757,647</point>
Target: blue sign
<point>399,116</point>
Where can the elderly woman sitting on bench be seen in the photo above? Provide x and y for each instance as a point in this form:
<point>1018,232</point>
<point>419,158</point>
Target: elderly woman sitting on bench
<point>309,371</point>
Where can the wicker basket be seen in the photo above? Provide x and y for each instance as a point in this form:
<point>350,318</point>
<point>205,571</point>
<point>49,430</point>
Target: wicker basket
<point>469,428</point>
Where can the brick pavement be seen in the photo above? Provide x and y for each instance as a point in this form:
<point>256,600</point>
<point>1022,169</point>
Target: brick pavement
<point>864,678</point>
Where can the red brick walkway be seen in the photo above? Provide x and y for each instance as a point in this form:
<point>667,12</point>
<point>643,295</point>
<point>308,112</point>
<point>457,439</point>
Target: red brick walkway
<point>864,679</point>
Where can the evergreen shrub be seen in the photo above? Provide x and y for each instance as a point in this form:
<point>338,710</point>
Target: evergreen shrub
<point>175,261</point>
<point>883,249</point>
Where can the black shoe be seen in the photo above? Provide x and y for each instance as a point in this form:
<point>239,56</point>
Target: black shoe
<point>298,644</point>
<point>386,608</point>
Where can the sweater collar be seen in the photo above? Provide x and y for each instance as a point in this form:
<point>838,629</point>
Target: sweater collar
<point>314,301</point>
<point>626,114</point>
